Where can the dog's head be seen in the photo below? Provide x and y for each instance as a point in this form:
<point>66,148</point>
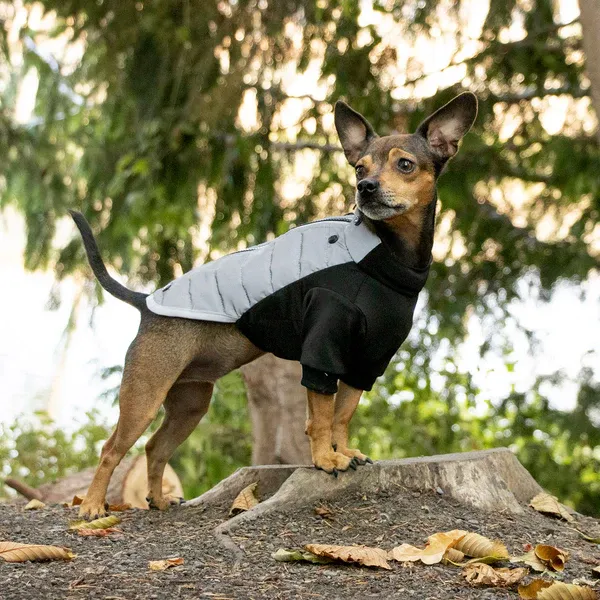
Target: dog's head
<point>397,173</point>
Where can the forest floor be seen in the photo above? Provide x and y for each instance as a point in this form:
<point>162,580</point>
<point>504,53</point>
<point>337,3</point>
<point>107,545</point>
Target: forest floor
<point>116,567</point>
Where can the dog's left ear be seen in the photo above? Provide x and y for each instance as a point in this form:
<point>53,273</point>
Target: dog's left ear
<point>354,130</point>
<point>444,129</point>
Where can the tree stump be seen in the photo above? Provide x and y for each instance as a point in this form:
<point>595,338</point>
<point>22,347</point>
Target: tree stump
<point>490,480</point>
<point>128,485</point>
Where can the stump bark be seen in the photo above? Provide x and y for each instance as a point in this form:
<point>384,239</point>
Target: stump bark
<point>128,485</point>
<point>490,480</point>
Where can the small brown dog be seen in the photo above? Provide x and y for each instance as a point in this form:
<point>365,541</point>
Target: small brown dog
<point>338,295</point>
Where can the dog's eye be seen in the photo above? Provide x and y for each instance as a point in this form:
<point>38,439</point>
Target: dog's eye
<point>406,166</point>
<point>360,172</point>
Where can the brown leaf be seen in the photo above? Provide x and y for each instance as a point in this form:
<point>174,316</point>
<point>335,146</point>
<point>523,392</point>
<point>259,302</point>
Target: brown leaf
<point>480,574</point>
<point>531,590</point>
<point>119,507</point>
<point>34,504</point>
<point>76,501</point>
<point>103,523</point>
<point>551,556</point>
<point>453,555</point>
<point>362,555</point>
<point>434,551</point>
<point>162,565</point>
<point>97,532</point>
<point>567,591</point>
<point>405,553</point>
<point>323,512</point>
<point>245,500</point>
<point>478,546</point>
<point>15,552</point>
<point>549,505</point>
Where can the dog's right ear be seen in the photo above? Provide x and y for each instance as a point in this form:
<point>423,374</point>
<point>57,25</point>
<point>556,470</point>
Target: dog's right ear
<point>354,130</point>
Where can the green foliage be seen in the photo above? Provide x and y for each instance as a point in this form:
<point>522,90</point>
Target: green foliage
<point>35,450</point>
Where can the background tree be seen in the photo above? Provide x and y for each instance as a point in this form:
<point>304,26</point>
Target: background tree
<point>183,115</point>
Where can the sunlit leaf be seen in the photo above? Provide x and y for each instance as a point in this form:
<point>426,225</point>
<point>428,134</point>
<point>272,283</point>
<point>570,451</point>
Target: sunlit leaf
<point>549,505</point>
<point>481,574</point>
<point>245,500</point>
<point>362,555</point>
<point>16,552</point>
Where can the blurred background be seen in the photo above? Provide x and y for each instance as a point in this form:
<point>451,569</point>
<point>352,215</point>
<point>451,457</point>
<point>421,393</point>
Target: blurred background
<point>185,129</point>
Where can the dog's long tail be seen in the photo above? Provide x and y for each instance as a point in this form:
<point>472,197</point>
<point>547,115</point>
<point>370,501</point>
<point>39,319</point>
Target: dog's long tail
<point>112,286</point>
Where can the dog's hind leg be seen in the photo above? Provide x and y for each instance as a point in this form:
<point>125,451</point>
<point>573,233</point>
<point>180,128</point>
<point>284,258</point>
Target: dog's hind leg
<point>153,363</point>
<point>186,403</point>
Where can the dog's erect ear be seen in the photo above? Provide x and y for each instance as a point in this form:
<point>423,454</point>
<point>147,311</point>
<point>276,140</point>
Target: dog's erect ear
<point>354,130</point>
<point>444,129</point>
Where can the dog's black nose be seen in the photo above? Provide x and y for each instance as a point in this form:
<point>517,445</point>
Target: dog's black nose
<point>366,187</point>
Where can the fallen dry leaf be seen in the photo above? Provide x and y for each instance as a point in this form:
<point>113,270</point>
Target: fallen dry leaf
<point>15,552</point>
<point>453,556</point>
<point>294,555</point>
<point>245,500</point>
<point>103,523</point>
<point>34,504</point>
<point>567,591</point>
<point>438,543</point>
<point>167,563</point>
<point>543,558</point>
<point>481,574</point>
<point>97,532</point>
<point>405,553</point>
<point>119,507</point>
<point>76,501</point>
<point>433,553</point>
<point>362,555</point>
<point>531,590</point>
<point>551,556</point>
<point>478,546</point>
<point>549,505</point>
<point>323,512</point>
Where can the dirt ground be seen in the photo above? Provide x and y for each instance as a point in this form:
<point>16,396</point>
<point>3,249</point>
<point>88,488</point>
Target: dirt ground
<point>116,567</point>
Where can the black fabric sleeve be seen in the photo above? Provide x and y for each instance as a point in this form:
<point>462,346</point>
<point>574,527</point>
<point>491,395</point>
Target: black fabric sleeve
<point>331,328</point>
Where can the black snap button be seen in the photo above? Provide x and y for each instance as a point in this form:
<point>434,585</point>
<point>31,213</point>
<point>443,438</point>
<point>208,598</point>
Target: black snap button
<point>333,239</point>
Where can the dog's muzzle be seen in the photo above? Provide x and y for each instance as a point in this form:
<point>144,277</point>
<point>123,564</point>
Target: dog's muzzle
<point>367,188</point>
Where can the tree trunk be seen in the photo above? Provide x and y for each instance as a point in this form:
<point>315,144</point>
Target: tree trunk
<point>590,25</point>
<point>277,404</point>
<point>128,485</point>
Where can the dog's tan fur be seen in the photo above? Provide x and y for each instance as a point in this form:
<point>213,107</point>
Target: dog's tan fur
<point>175,361</point>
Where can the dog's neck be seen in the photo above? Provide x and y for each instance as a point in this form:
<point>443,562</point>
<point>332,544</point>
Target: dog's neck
<point>409,236</point>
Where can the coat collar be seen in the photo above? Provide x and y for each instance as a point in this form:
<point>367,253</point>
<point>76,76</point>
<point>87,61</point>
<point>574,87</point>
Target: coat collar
<point>380,263</point>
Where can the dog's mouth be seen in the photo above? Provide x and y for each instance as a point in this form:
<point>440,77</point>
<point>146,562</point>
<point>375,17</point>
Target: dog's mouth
<point>378,207</point>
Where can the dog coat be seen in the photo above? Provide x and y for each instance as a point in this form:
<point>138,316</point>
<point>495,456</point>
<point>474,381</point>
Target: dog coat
<point>328,294</point>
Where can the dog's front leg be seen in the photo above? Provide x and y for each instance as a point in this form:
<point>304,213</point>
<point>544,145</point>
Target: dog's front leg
<point>346,401</point>
<point>321,408</point>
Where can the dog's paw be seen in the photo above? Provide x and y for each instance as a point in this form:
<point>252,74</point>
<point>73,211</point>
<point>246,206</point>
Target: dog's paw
<point>333,462</point>
<point>165,502</point>
<point>92,510</point>
<point>356,456</point>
